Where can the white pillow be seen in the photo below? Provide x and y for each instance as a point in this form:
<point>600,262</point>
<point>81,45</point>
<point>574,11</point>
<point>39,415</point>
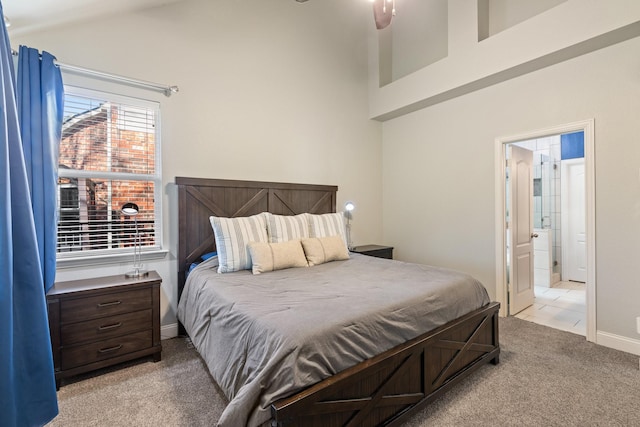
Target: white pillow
<point>232,236</point>
<point>319,250</point>
<point>282,228</point>
<point>326,225</point>
<point>276,256</point>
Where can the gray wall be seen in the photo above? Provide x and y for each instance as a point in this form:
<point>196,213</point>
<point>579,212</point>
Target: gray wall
<point>270,91</point>
<point>278,91</point>
<point>558,63</point>
<point>438,167</point>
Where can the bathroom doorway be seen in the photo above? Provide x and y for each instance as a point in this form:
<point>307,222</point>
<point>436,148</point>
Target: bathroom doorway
<point>561,229</point>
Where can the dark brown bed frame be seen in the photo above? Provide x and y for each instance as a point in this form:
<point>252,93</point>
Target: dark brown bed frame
<point>383,390</point>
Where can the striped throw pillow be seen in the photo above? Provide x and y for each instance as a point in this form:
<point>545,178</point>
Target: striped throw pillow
<point>282,228</point>
<point>232,237</point>
<point>327,225</point>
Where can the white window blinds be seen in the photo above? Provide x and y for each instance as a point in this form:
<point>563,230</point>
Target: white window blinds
<point>108,156</point>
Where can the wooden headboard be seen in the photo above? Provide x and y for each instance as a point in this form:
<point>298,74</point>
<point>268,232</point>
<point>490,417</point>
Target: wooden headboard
<point>200,198</point>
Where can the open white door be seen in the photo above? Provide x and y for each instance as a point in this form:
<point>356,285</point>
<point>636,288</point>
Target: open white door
<point>521,288</point>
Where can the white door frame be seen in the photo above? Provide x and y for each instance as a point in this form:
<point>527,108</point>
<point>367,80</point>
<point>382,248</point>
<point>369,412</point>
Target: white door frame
<point>587,127</point>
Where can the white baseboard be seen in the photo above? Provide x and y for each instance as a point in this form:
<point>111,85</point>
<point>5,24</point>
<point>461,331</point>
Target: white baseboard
<point>618,342</point>
<point>168,331</point>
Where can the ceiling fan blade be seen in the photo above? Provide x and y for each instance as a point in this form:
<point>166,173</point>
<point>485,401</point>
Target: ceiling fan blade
<point>381,14</point>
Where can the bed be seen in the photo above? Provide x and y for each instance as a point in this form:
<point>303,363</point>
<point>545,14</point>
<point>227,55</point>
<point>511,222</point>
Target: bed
<point>364,389</point>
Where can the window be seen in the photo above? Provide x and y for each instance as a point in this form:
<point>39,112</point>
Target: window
<point>109,155</point>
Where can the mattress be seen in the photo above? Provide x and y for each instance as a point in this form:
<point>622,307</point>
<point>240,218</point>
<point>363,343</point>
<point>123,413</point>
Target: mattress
<point>265,337</point>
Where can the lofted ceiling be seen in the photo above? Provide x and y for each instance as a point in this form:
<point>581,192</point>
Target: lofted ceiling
<point>34,15</point>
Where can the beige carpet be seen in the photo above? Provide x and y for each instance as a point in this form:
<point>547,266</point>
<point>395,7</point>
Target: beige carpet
<point>545,377</point>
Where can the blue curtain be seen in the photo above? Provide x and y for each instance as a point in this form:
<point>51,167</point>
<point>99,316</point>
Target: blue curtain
<point>27,384</point>
<point>40,108</point>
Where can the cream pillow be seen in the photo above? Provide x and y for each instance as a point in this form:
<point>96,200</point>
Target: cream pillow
<point>232,236</point>
<point>319,250</point>
<point>276,256</point>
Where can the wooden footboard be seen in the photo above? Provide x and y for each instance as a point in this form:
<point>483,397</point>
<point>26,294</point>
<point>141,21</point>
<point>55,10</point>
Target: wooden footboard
<point>386,389</point>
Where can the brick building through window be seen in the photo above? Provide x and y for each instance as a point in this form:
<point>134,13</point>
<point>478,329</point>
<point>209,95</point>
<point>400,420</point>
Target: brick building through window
<point>107,158</point>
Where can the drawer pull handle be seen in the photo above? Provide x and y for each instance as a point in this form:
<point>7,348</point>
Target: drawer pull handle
<point>109,349</point>
<point>108,304</point>
<point>107,327</point>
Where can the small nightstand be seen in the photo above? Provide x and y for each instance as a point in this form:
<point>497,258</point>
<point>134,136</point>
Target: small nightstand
<point>374,250</point>
<point>103,321</point>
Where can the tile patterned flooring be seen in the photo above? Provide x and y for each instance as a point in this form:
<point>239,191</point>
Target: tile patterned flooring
<point>561,307</point>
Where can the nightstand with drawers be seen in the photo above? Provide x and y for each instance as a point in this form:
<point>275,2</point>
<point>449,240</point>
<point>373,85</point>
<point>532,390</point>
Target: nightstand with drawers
<point>103,321</point>
<point>374,250</point>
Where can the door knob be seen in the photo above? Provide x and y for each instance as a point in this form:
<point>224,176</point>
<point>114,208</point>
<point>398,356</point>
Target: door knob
<point>533,235</point>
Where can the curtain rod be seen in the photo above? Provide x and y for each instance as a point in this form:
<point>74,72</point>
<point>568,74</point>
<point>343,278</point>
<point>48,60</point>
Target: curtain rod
<point>166,89</point>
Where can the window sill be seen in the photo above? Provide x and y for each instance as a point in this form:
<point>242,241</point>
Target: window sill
<point>108,259</point>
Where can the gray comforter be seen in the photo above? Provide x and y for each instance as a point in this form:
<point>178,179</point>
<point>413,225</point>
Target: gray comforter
<point>267,336</point>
